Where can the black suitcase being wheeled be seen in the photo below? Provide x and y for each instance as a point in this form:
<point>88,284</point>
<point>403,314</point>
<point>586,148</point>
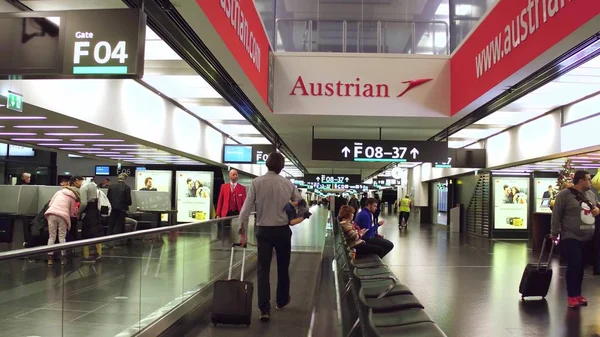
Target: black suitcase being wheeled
<point>536,277</point>
<point>232,299</point>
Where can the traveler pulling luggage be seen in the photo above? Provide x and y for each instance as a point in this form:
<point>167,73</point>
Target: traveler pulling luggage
<point>537,276</point>
<point>232,299</point>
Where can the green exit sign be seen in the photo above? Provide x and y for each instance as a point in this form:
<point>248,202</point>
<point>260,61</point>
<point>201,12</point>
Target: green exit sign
<point>14,101</point>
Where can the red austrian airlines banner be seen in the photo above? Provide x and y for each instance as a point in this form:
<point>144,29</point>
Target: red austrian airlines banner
<point>512,35</point>
<point>241,29</point>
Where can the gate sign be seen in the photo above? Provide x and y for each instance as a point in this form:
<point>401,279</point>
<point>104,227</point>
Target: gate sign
<point>104,42</point>
<point>346,179</point>
<point>246,154</point>
<point>385,151</point>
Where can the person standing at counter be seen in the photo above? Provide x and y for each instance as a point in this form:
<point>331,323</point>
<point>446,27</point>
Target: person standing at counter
<point>231,197</point>
<point>90,218</point>
<point>61,208</point>
<point>119,196</point>
<point>25,179</point>
<point>573,218</point>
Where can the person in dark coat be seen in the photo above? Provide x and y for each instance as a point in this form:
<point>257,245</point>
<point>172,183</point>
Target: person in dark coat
<point>119,196</point>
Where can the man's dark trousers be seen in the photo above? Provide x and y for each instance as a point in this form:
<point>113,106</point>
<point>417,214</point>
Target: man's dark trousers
<point>267,238</point>
<point>117,221</point>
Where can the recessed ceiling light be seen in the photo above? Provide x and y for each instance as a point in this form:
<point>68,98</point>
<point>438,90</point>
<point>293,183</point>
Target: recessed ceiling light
<point>17,134</point>
<point>37,139</point>
<point>70,155</point>
<point>78,148</point>
<point>45,127</point>
<point>72,134</point>
<point>112,155</point>
<point>21,117</point>
<point>120,145</point>
<point>98,140</point>
<point>93,152</point>
<point>59,144</point>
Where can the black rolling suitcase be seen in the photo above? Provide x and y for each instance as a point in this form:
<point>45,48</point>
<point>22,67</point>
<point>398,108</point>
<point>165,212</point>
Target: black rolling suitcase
<point>232,299</point>
<point>537,276</point>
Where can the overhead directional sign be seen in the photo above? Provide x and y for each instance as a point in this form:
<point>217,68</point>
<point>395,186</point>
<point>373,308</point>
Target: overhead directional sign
<point>347,179</point>
<point>14,101</point>
<point>246,154</point>
<point>379,150</point>
<point>464,158</point>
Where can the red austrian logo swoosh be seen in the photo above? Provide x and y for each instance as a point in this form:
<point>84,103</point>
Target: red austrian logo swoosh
<point>413,84</point>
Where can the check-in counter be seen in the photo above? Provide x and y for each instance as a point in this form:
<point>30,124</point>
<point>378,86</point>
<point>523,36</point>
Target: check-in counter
<point>18,205</point>
<point>153,204</point>
<point>148,208</point>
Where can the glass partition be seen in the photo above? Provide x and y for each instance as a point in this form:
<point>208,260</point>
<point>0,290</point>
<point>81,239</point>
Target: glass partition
<point>117,287</point>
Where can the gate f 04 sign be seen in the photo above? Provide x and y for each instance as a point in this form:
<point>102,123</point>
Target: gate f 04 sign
<point>108,43</point>
<point>390,151</point>
<point>103,52</point>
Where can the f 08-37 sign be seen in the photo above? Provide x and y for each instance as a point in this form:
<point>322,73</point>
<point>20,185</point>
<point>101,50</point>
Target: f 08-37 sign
<point>379,150</point>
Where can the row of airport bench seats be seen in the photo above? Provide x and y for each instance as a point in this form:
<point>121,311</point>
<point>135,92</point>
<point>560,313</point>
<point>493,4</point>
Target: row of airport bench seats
<point>373,302</point>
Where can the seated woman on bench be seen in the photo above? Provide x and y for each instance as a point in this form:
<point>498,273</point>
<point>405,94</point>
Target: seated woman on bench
<point>353,234</point>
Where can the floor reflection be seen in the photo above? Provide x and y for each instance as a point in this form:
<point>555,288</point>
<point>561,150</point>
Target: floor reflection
<point>469,285</point>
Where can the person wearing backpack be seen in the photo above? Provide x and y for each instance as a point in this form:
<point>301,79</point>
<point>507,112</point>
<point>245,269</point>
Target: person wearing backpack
<point>573,223</point>
<point>90,219</point>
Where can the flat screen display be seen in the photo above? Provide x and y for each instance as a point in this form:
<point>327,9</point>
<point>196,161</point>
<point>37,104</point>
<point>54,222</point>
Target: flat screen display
<point>16,151</point>
<point>20,151</point>
<point>237,154</point>
<point>102,170</point>
<point>31,45</point>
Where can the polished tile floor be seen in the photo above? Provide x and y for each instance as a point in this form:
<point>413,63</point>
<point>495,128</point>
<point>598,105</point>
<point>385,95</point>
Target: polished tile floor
<point>469,286</point>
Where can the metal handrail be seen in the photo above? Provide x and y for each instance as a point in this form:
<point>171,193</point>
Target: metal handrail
<point>25,252</point>
<point>379,23</point>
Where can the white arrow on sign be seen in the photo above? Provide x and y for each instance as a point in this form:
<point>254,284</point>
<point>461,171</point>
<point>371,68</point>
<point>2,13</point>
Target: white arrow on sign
<point>345,151</point>
<point>347,179</point>
<point>414,152</point>
<point>318,179</point>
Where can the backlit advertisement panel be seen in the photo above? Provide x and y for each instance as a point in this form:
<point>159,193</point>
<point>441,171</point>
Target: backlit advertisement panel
<point>194,195</point>
<point>511,202</point>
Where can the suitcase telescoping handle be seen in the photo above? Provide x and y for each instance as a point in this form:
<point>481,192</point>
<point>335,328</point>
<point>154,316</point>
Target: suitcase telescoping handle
<point>231,259</point>
<point>546,238</point>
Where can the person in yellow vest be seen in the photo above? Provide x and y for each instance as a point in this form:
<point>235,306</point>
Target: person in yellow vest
<point>404,208</point>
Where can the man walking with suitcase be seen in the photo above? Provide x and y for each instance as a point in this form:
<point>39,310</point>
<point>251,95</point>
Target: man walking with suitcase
<point>573,218</point>
<point>270,194</point>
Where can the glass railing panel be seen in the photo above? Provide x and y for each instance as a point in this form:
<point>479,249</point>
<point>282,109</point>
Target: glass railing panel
<point>103,284</point>
<point>293,35</point>
<point>396,37</point>
<point>329,36</point>
<point>205,249</point>
<point>431,38</point>
<point>369,36</point>
<point>351,36</point>
<point>135,282</point>
<point>162,274</point>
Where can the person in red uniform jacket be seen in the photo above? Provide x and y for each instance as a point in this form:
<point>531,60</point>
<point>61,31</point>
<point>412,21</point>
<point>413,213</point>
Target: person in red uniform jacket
<point>231,197</point>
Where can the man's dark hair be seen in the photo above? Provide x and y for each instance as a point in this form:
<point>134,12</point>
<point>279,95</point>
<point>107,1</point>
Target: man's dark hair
<point>372,201</point>
<point>579,175</point>
<point>275,162</point>
<point>187,181</point>
<point>505,187</point>
<point>74,179</point>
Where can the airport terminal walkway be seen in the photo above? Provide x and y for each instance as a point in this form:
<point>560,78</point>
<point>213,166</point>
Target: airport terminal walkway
<point>469,286</point>
<point>294,320</point>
